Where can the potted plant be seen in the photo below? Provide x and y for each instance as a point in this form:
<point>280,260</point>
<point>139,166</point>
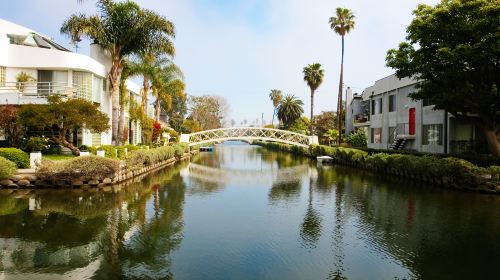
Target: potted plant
<point>35,145</point>
<point>22,79</point>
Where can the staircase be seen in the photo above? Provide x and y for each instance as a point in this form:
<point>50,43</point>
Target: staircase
<point>398,144</point>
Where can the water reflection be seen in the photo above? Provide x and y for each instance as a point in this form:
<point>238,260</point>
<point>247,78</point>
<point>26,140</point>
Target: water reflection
<point>246,213</point>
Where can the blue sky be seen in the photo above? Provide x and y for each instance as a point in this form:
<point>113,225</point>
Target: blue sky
<point>241,49</point>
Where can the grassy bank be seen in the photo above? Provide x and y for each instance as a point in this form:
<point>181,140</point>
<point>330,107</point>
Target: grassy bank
<point>447,171</point>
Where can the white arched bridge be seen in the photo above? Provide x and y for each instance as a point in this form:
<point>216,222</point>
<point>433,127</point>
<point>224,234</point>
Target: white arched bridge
<point>248,134</point>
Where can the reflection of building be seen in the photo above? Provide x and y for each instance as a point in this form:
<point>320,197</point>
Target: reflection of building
<point>54,70</point>
<point>392,120</point>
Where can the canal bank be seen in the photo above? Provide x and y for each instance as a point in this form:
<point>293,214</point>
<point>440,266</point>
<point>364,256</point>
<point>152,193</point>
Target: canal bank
<point>447,172</point>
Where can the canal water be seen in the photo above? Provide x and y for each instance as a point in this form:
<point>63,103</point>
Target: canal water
<point>243,212</point>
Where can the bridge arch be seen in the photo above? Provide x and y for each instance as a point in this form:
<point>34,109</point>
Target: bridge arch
<point>249,134</point>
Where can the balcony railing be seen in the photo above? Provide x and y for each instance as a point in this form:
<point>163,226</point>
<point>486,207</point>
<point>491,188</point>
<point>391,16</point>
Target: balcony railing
<point>39,89</point>
<point>361,118</point>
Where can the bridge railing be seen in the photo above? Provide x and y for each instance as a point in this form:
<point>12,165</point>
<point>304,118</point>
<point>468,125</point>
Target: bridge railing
<point>249,133</point>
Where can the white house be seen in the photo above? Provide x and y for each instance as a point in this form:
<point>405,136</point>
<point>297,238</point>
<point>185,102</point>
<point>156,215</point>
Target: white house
<point>57,70</point>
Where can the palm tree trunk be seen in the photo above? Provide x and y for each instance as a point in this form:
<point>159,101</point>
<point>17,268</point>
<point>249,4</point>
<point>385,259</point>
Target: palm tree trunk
<point>145,89</point>
<point>274,113</point>
<point>121,126</point>
<point>339,105</point>
<point>311,126</point>
<point>157,117</point>
<point>114,77</point>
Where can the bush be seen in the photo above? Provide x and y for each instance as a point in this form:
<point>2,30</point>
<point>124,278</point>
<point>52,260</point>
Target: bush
<point>20,158</point>
<point>84,148</point>
<point>140,158</point>
<point>37,144</point>
<point>7,168</point>
<point>357,138</point>
<point>109,151</point>
<point>86,167</point>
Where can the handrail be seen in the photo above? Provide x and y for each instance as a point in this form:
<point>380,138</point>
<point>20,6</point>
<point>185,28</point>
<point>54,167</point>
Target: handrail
<point>39,88</point>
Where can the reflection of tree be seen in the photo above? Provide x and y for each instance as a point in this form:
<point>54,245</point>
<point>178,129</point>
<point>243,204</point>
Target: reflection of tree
<point>11,205</point>
<point>285,191</point>
<point>144,249</point>
<point>339,232</point>
<point>310,230</point>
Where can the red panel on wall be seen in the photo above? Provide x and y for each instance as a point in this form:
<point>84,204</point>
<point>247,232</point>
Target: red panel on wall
<point>411,122</point>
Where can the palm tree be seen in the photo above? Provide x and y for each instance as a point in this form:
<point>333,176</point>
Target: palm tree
<point>166,83</point>
<point>276,95</point>
<point>122,29</point>
<point>342,23</point>
<point>290,109</point>
<point>313,76</point>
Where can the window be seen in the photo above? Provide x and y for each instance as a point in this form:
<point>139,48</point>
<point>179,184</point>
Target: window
<point>83,84</point>
<point>3,71</point>
<point>96,91</point>
<point>392,130</point>
<point>392,103</point>
<point>432,134</point>
<point>376,135</point>
<point>377,106</point>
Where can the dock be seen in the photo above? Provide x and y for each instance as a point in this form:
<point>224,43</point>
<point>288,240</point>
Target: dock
<point>324,159</point>
<point>207,149</point>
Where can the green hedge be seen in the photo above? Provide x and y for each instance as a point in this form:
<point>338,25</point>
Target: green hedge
<point>448,171</point>
<point>139,158</point>
<point>7,168</point>
<point>20,158</point>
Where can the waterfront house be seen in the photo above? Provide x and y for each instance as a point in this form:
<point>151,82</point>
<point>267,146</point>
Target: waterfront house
<point>392,120</point>
<point>57,70</point>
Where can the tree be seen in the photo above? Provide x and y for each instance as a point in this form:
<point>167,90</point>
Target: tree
<point>324,122</point>
<point>342,23</point>
<point>313,76</point>
<point>331,135</point>
<point>210,111</point>
<point>10,125</point>
<point>63,117</point>
<point>357,138</point>
<point>453,50</point>
<point>276,96</point>
<point>122,29</point>
<point>190,126</point>
<point>289,110</point>
<point>166,83</point>
<point>300,125</point>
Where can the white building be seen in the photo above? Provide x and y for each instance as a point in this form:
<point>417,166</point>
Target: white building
<point>392,120</point>
<point>57,70</point>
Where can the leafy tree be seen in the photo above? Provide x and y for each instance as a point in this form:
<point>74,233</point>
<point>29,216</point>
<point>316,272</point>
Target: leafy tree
<point>64,116</point>
<point>300,125</point>
<point>453,50</point>
<point>276,96</point>
<point>209,111</point>
<point>332,135</point>
<point>190,126</point>
<point>342,23</point>
<point>357,138</point>
<point>324,122</point>
<point>10,125</point>
<point>313,76</point>
<point>289,110</point>
<point>122,29</point>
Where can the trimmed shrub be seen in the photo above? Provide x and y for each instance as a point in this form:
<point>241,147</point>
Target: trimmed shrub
<point>86,167</point>
<point>20,158</point>
<point>109,151</point>
<point>7,168</point>
<point>139,158</point>
<point>37,144</point>
<point>357,138</point>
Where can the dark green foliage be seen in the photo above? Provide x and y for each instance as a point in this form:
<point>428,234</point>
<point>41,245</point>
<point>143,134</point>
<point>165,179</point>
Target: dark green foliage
<point>20,158</point>
<point>7,168</point>
<point>37,144</point>
<point>357,138</point>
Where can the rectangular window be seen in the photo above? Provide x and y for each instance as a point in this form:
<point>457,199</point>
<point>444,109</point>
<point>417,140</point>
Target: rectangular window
<point>377,106</point>
<point>376,135</point>
<point>392,130</point>
<point>3,71</point>
<point>392,103</point>
<point>432,134</point>
<point>83,84</point>
<point>96,91</point>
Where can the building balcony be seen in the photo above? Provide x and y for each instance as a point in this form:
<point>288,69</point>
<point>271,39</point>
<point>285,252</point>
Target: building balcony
<point>361,120</point>
<point>18,93</point>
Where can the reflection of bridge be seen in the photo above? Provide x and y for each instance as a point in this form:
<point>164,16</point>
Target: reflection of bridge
<point>249,134</point>
<point>268,175</point>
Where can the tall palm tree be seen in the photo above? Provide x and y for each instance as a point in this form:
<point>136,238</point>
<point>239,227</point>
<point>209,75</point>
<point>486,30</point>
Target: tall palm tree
<point>290,109</point>
<point>276,96</point>
<point>313,76</point>
<point>342,23</point>
<point>122,29</point>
